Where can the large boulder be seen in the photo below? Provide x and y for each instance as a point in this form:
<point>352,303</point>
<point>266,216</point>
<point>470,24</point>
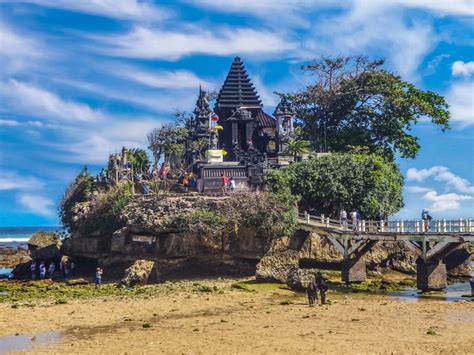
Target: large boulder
<point>45,246</point>
<point>140,272</point>
<point>10,257</point>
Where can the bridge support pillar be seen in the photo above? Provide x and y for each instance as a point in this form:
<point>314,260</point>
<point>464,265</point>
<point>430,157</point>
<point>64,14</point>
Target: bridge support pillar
<point>353,270</point>
<point>431,275</point>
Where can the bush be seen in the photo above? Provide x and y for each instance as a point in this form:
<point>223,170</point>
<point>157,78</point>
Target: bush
<point>367,183</point>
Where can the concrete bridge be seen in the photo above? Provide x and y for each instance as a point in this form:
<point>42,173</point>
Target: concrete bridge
<point>430,241</point>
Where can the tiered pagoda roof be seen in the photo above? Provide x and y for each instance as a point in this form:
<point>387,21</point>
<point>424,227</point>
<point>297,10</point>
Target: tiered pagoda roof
<point>238,90</point>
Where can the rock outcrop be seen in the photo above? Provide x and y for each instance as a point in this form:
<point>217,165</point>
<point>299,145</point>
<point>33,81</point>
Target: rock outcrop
<point>139,273</point>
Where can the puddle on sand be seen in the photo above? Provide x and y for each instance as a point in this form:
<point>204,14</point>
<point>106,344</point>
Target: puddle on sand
<point>11,343</point>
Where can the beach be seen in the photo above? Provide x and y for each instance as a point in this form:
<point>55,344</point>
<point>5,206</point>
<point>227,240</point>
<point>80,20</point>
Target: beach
<point>222,316</point>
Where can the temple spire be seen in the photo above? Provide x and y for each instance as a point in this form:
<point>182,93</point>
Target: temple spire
<point>237,91</point>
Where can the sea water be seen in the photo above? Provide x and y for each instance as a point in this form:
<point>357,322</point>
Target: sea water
<point>18,236</point>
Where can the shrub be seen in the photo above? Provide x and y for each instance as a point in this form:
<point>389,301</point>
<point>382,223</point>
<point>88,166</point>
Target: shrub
<point>367,183</point>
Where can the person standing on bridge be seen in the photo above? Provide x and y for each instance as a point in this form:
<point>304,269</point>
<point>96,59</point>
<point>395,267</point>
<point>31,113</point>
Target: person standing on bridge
<point>354,219</point>
<point>343,218</point>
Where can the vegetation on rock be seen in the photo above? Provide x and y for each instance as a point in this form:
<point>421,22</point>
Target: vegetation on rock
<point>368,183</point>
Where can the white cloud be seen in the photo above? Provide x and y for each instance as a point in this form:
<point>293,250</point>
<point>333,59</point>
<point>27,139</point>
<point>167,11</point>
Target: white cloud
<point>149,43</point>
<point>9,123</point>
<point>453,7</point>
<point>178,79</point>
<point>120,9</point>
<point>445,202</point>
<point>37,204</point>
<point>18,51</point>
<point>461,99</point>
<point>32,100</point>
<point>460,68</point>
<point>14,181</point>
<point>441,174</point>
<point>418,189</point>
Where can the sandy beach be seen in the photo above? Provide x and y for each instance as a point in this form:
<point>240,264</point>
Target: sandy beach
<point>211,317</point>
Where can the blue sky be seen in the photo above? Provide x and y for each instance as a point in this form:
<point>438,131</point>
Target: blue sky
<point>81,78</point>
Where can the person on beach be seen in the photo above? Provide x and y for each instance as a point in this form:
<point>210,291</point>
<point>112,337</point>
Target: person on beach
<point>42,271</point>
<point>163,171</point>
<point>98,277</point>
<point>51,268</point>
<point>321,286</point>
<point>471,282</point>
<point>343,218</point>
<point>33,269</point>
<point>232,185</point>
<point>312,290</point>
<point>224,183</point>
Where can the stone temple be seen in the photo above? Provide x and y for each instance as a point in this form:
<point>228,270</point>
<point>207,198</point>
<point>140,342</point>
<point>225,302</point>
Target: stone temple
<point>244,141</point>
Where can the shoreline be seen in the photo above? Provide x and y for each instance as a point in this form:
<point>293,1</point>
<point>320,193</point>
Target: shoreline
<point>215,316</point>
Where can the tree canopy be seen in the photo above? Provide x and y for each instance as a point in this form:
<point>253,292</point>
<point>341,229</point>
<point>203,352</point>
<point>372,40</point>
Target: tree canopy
<point>368,183</point>
<point>355,102</point>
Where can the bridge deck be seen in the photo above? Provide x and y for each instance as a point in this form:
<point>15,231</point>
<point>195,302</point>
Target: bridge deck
<point>458,231</point>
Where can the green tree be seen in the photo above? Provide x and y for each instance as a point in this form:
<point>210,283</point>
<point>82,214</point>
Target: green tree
<point>297,147</point>
<point>355,102</point>
<point>369,183</point>
<point>139,159</point>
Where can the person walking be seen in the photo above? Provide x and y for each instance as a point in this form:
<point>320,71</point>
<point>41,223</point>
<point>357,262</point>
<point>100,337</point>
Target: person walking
<point>321,286</point>
<point>312,290</point>
<point>224,183</point>
<point>33,269</point>
<point>232,185</point>
<point>51,268</point>
<point>343,218</point>
<point>42,271</point>
<point>98,276</point>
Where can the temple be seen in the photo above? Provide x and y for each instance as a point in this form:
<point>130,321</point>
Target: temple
<point>243,140</point>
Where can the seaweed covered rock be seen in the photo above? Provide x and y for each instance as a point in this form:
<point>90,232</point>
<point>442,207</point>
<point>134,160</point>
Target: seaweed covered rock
<point>139,273</point>
<point>45,246</point>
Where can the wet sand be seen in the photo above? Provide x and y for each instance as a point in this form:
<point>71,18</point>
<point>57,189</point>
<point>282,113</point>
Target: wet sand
<point>229,320</point>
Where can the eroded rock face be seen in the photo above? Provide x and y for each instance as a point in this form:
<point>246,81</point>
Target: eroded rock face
<point>44,246</point>
<point>140,272</point>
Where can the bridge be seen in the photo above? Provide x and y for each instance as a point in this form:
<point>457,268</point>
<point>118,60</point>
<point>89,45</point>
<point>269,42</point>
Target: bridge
<point>430,241</point>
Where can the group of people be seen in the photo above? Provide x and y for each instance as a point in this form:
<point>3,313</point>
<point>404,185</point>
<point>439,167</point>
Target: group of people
<point>354,216</point>
<point>317,284</point>
<point>41,270</point>
<point>227,184</point>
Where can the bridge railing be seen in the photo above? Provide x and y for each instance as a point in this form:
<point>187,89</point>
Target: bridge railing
<point>399,227</point>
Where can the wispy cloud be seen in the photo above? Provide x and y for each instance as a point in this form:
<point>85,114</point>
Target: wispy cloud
<point>441,174</point>
<point>143,42</point>
<point>119,9</point>
<point>10,180</point>
<point>460,97</point>
<point>37,204</point>
<point>445,202</point>
<point>28,99</point>
<point>418,189</point>
<point>9,123</point>
<point>174,79</point>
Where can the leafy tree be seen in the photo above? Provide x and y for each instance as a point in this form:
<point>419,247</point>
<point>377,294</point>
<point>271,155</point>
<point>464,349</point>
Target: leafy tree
<point>80,190</point>
<point>139,159</point>
<point>168,140</point>
<point>297,147</point>
<point>369,183</point>
<point>354,101</point>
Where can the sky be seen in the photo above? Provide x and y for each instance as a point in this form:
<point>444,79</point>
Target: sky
<point>79,79</point>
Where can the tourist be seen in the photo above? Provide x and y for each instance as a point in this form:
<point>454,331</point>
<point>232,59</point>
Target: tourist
<point>146,188</point>
<point>42,271</point>
<point>426,217</point>
<point>471,281</point>
<point>312,290</point>
<point>33,269</point>
<point>163,171</point>
<point>72,266</point>
<point>343,218</point>
<point>232,185</point>
<point>354,219</point>
<point>98,276</point>
<point>186,181</point>
<point>51,268</point>
<point>224,183</point>
<point>321,285</point>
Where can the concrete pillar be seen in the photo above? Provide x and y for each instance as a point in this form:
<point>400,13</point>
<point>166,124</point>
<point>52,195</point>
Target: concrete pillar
<point>431,275</point>
<point>353,270</point>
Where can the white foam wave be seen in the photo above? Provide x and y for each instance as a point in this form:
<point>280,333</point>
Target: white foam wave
<point>13,240</point>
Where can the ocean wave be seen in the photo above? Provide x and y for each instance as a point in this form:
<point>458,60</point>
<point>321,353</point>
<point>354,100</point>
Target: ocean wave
<point>13,240</point>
